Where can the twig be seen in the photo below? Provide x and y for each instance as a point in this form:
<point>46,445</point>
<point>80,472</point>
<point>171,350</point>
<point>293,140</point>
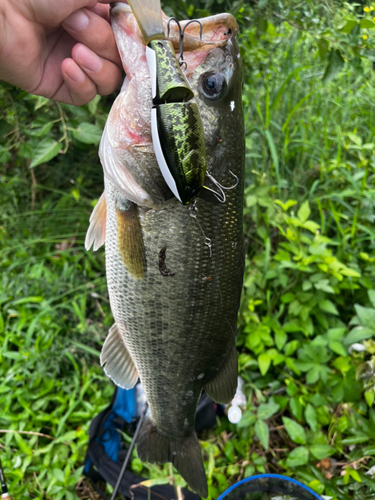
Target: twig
<point>31,433</point>
<point>38,483</point>
<point>65,135</point>
<point>180,495</point>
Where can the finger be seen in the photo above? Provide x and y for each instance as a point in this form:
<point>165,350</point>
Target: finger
<point>105,74</point>
<point>93,31</point>
<point>77,88</point>
<point>102,11</point>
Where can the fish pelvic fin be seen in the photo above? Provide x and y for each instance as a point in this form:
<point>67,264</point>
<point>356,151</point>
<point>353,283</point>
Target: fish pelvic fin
<point>223,387</point>
<point>117,362</point>
<point>96,232</point>
<point>185,454</point>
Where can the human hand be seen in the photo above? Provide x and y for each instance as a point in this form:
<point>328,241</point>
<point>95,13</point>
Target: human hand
<point>39,50</point>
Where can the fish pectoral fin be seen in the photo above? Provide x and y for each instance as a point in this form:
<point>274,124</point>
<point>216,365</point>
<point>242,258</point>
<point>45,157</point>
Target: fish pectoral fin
<point>223,387</point>
<point>96,232</point>
<point>118,364</point>
<point>130,239</point>
<point>185,454</point>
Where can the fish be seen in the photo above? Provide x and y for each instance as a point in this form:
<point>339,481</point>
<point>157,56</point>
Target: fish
<point>174,271</point>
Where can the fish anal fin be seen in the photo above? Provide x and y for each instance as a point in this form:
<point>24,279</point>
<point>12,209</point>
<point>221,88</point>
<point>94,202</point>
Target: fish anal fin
<point>96,232</point>
<point>130,239</point>
<point>223,387</point>
<point>118,364</point>
<point>184,453</point>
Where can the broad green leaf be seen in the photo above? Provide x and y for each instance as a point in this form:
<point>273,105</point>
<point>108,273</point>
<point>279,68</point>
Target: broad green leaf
<point>88,133</point>
<point>310,225</point>
<point>264,361</point>
<point>304,211</point>
<point>351,273</point>
<point>266,410</point>
<point>93,105</point>
<point>358,438</point>
<point>369,397</point>
<point>298,456</point>
<point>22,444</point>
<point>248,419</point>
<point>288,204</point>
<point>295,430</point>
<point>335,65</point>
<point>41,101</point>
<point>229,450</point>
<point>366,315</point>
<point>371,296</point>
<point>59,475</point>
<point>310,417</point>
<point>323,46</point>
<point>349,26</point>
<point>296,407</point>
<point>45,151</point>
<point>337,347</point>
<point>328,307</point>
<point>262,432</point>
<point>280,339</point>
<point>355,476</point>
<point>40,126</point>
<point>359,333</point>
<point>320,451</point>
<point>366,24</point>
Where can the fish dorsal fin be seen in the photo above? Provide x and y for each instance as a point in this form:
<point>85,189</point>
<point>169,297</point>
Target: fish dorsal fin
<point>223,387</point>
<point>118,364</point>
<point>96,231</point>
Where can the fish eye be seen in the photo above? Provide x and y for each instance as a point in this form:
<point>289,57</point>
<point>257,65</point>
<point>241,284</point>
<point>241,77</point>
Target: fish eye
<point>214,86</point>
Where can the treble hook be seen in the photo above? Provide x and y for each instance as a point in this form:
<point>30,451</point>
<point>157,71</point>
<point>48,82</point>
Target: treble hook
<point>220,196</point>
<point>181,37</point>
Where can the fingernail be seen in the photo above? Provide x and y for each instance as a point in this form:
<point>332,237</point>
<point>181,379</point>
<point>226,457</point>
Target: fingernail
<point>87,59</point>
<point>75,73</point>
<point>77,21</point>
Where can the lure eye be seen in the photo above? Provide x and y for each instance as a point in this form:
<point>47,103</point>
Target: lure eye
<point>214,86</point>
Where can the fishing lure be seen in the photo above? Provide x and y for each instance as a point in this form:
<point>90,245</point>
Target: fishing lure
<point>176,126</point>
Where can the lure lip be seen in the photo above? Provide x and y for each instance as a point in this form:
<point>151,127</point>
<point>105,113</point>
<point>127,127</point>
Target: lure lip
<point>160,156</point>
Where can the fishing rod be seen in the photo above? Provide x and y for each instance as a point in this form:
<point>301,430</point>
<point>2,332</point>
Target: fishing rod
<point>4,489</point>
<point>129,454</point>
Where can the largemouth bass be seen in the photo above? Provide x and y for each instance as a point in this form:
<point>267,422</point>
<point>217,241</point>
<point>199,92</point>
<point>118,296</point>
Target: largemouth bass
<point>174,272</point>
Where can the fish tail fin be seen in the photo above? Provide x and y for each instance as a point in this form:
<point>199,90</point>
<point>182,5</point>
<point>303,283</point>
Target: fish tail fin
<point>185,454</point>
<point>148,15</point>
